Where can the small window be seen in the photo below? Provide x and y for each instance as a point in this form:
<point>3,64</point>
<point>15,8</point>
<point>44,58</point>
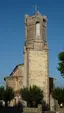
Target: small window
<point>37,29</point>
<point>44,20</point>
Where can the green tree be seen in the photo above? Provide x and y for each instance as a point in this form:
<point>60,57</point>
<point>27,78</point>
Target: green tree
<point>33,95</point>
<point>8,95</point>
<point>61,63</point>
<point>58,94</point>
<point>2,91</point>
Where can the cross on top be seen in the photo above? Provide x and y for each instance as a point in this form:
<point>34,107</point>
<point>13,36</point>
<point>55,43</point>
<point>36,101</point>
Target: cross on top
<point>36,7</point>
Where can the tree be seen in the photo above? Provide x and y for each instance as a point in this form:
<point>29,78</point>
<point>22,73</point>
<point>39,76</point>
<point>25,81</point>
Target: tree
<point>33,95</point>
<point>2,90</point>
<point>58,94</point>
<point>8,95</point>
<point>61,63</point>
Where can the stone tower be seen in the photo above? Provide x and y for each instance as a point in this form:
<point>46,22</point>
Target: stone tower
<point>36,53</point>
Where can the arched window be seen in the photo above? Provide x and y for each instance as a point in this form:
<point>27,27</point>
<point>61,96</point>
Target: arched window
<point>37,29</point>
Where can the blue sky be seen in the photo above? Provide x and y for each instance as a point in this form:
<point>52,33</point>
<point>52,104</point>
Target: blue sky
<point>12,33</point>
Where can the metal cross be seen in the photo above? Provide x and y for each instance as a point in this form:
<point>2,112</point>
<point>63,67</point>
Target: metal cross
<point>36,7</point>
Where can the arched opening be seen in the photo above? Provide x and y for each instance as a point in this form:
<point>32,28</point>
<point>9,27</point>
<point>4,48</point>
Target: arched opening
<point>37,29</point>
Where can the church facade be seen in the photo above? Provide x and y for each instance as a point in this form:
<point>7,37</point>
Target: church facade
<point>35,70</point>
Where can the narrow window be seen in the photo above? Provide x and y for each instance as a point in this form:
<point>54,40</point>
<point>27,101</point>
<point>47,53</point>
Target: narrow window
<point>37,29</point>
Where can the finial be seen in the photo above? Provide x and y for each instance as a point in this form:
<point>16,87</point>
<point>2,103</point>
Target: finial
<point>36,8</point>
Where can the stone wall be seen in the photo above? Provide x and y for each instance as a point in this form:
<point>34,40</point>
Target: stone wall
<point>11,82</point>
<point>16,80</point>
<point>32,110</point>
<point>38,71</point>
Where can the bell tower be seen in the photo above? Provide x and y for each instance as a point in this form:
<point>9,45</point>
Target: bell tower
<point>36,53</point>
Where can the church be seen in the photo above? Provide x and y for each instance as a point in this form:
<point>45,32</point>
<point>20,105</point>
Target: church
<point>35,70</point>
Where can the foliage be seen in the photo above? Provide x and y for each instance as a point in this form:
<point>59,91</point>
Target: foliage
<point>33,95</point>
<point>2,90</point>
<point>6,94</point>
<point>61,63</point>
<point>58,94</point>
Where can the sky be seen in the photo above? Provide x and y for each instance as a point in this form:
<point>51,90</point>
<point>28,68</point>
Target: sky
<point>12,33</point>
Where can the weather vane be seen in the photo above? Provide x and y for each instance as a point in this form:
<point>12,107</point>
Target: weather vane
<point>36,8</point>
